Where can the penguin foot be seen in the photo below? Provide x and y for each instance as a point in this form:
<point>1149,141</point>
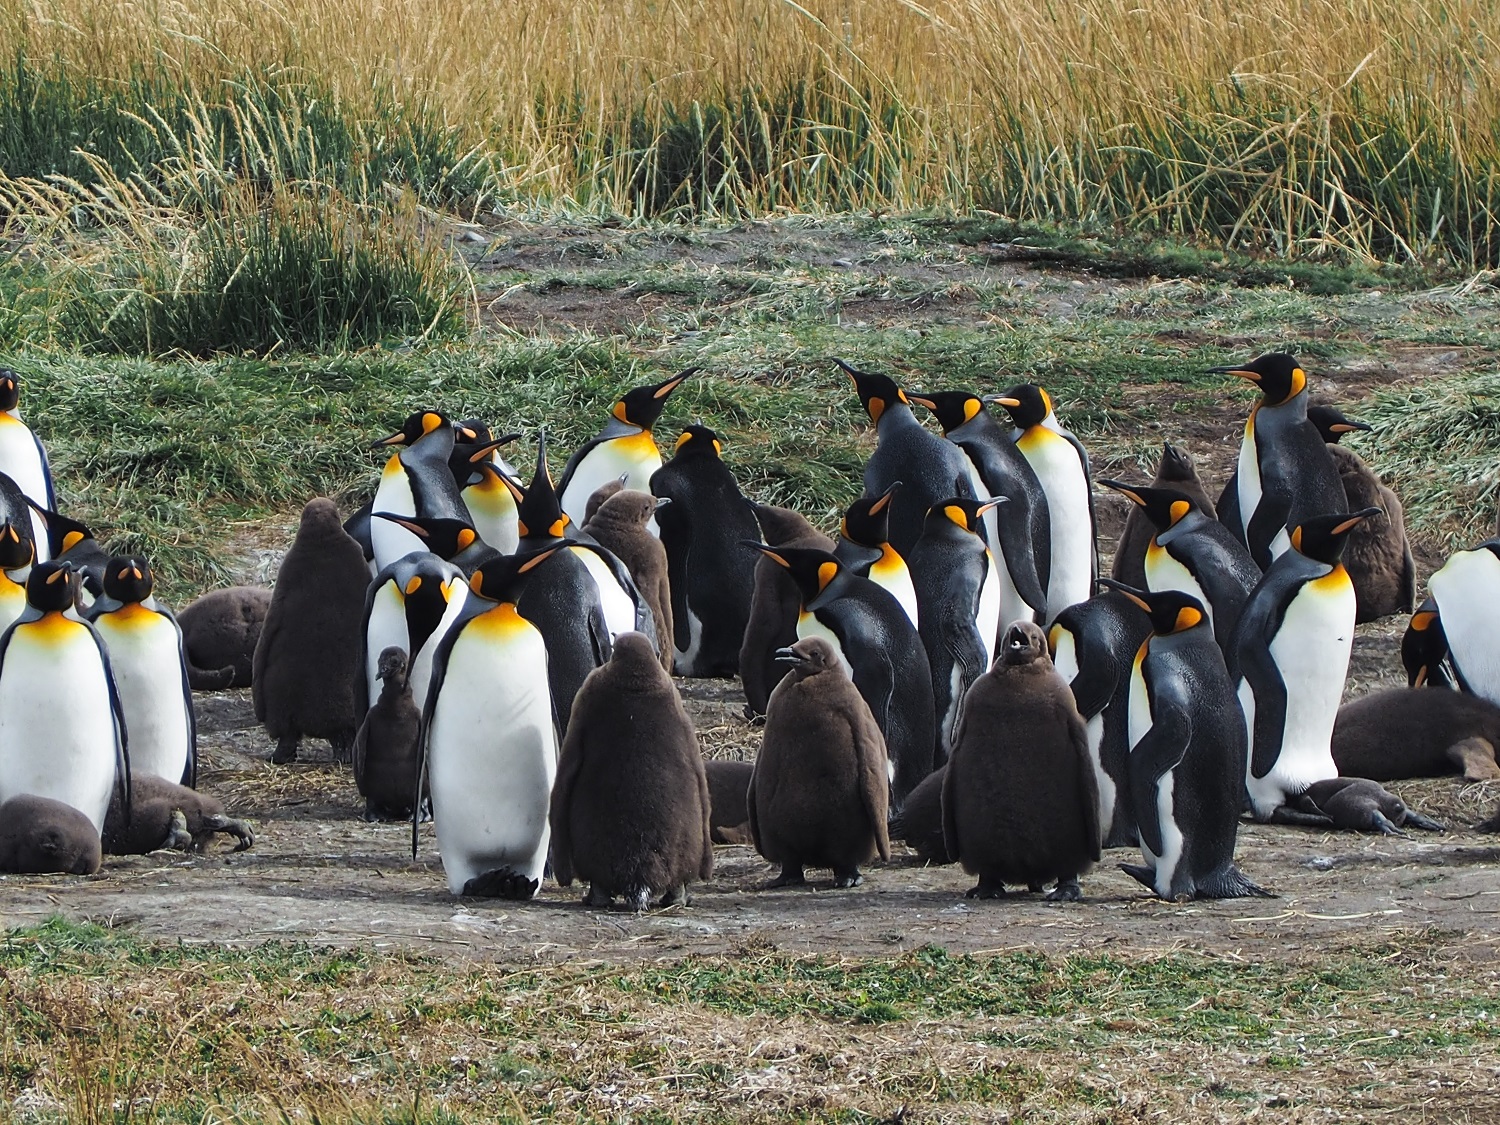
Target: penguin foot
<point>178,837</point>
<point>1067,890</point>
<point>1379,822</point>
<point>675,896</point>
<point>637,899</point>
<point>383,814</point>
<point>850,878</point>
<point>986,888</point>
<point>286,750</point>
<point>791,876</point>
<point>244,837</point>
<point>343,748</point>
<point>753,717</point>
<point>1425,823</point>
<point>596,899</point>
<point>1491,825</point>
<point>1287,815</point>
<point>503,882</point>
<point>1122,838</point>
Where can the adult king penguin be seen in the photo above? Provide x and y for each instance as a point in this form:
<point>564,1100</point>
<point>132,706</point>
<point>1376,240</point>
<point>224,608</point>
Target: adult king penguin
<point>1289,657</point>
<point>774,605</point>
<point>1285,475</point>
<point>23,459</point>
<point>17,553</point>
<point>625,448</point>
<point>417,481</point>
<point>1062,466</point>
<point>411,606</point>
<point>1467,593</point>
<point>1175,470</point>
<point>928,468</point>
<point>865,547</point>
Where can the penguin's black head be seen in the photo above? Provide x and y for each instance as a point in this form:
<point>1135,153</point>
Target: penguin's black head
<point>1163,506</point>
<point>502,578</point>
<point>16,547</point>
<point>811,569</point>
<point>467,454</point>
<point>391,665</point>
<point>1423,645</point>
<point>538,511</point>
<point>1322,538</point>
<point>417,425</point>
<point>1278,375</point>
<point>951,408</point>
<point>643,406</point>
<point>878,393</point>
<point>1171,611</point>
<point>868,520</point>
<point>10,389</point>
<point>52,587</point>
<point>1027,404</point>
<point>699,441</point>
<point>962,512</point>
<point>808,657</point>
<point>1332,425</point>
<point>444,537</point>
<point>63,534</point>
<point>1024,643</point>
<point>127,579</point>
<point>1175,464</point>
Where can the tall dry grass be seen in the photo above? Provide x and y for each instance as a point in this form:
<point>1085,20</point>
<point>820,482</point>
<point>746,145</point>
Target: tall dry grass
<point>1365,126</point>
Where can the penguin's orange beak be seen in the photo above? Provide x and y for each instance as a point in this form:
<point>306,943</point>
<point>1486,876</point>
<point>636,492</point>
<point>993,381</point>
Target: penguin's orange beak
<point>1238,372</point>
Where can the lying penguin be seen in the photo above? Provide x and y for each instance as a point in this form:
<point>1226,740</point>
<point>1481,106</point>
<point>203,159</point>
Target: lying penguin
<point>166,815</point>
<point>1358,805</point>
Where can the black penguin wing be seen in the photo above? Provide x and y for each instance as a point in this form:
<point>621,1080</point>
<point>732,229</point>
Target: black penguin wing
<point>1259,623</point>
<point>359,750</point>
<point>1020,549</point>
<point>676,528</point>
<point>1088,784</point>
<point>1160,750</point>
<point>122,736</point>
<point>41,454</point>
<point>1227,507</point>
<point>1099,672</point>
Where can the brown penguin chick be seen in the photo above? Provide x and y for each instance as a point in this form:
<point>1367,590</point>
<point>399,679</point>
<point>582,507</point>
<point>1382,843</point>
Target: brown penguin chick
<point>311,646</point>
<point>1377,555</point>
<point>729,812</point>
<point>1020,802</point>
<point>630,806</point>
<point>1357,804</point>
<point>1417,732</point>
<point>619,525</point>
<point>774,603</point>
<point>600,495</point>
<point>821,786</point>
<point>164,814</point>
<point>219,633</point>
<point>40,836</point>
<point>919,824</point>
<point>386,751</point>
<point>1175,470</point>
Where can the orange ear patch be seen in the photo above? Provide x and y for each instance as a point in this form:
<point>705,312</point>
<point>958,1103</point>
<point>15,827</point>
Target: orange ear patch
<point>826,573</point>
<point>1187,617</point>
<point>1179,509</point>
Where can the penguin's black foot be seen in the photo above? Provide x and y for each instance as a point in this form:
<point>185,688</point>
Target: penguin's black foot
<point>1379,822</point>
<point>1067,890</point>
<point>986,888</point>
<point>386,814</point>
<point>178,837</point>
<point>1286,815</point>
<point>1491,825</point>
<point>286,750</point>
<point>503,882</point>
<point>1425,823</point>
<point>850,878</point>
<point>342,746</point>
<point>791,876</point>
<point>675,896</point>
<point>244,837</point>
<point>596,899</point>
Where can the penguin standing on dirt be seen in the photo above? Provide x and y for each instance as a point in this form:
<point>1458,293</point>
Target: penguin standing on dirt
<point>1289,658</point>
<point>386,748</point>
<point>417,481</point>
<point>1062,466</point>
<point>819,791</point>
<point>489,743</point>
<point>879,651</point>
<point>1377,556</point>
<point>23,459</point>
<point>928,468</point>
<point>1424,650</point>
<point>1193,552</point>
<point>1187,755</point>
<point>149,666</point>
<point>620,527</point>
<point>958,606</point>
<point>1021,534</point>
<point>630,807</point>
<point>1285,475</point>
<point>1093,646</point>
<point>774,605</point>
<point>712,575</point>
<point>1467,593</point>
<point>62,731</point>
<point>307,665</point>
<point>625,448</point>
<point>864,546</point>
<point>1019,800</point>
<point>1175,471</point>
<point>219,634</point>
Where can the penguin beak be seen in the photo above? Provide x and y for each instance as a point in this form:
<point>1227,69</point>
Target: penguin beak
<point>1126,490</point>
<point>490,446</point>
<point>1238,372</point>
<point>921,400</point>
<point>398,438</point>
<point>787,656</point>
<point>992,503</point>
<point>1356,517</point>
<point>662,502</point>
<point>1001,400</point>
<point>415,529</point>
<point>1350,426</point>
<point>1128,591</point>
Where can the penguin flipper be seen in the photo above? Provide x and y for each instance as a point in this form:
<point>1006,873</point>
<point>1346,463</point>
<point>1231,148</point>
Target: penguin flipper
<point>1258,670</point>
<point>1159,751</point>
<point>1227,508</point>
<point>190,768</point>
<point>1016,547</point>
<point>1269,517</point>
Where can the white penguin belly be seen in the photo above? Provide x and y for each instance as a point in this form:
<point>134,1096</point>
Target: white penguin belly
<point>1467,591</point>
<point>492,753</point>
<point>492,511</point>
<point>619,607</point>
<point>1163,573</point>
<point>956,689</point>
<point>890,573</point>
<point>57,729</point>
<point>1057,466</point>
<point>1094,732</point>
<point>384,628</point>
<point>987,619</point>
<point>685,661</point>
<point>1065,658</point>
<point>394,495</point>
<point>809,626</point>
<point>1248,469</point>
<point>145,656</point>
<point>634,456</point>
<point>21,460</point>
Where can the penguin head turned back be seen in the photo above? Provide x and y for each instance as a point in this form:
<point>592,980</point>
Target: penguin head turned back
<point>1163,506</point>
<point>416,426</point>
<point>813,571</point>
<point>10,389</point>
<point>52,587</point>
<point>539,512</point>
<point>16,547</point>
<point>469,451</point>
<point>1332,425</point>
<point>1024,643</point>
<point>502,578</point>
<point>642,406</point>
<point>951,408</point>
<point>808,657</point>
<point>967,514</point>
<point>868,520</point>
<point>877,393</point>
<point>1322,538</point>
<point>1028,404</point>
<point>698,441</point>
<point>128,579</point>
<point>63,533</point>
<point>1170,611</point>
<point>444,537</point>
<point>1278,375</point>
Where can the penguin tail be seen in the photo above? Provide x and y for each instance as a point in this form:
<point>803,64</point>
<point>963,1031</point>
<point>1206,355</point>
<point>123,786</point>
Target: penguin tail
<point>205,679</point>
<point>1231,883</point>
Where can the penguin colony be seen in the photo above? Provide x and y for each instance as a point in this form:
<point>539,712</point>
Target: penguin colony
<point>496,655</point>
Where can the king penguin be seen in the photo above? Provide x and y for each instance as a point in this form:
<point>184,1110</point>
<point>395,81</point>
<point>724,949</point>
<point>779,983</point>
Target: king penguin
<point>480,474</point>
<point>1175,470</point>
<point>72,543</point>
<point>1467,592</point>
<point>865,547</point>
<point>62,731</point>
<point>1424,650</point>
<point>1289,657</point>
<point>1285,474</point>
<point>1062,466</point>
<point>1187,755</point>
<point>411,606</point>
<point>625,448</point>
<point>23,459</point>
<point>17,553</point>
<point>928,468</point>
<point>417,481</point>
<point>489,740</point>
<point>774,605</point>
<point>149,664</point>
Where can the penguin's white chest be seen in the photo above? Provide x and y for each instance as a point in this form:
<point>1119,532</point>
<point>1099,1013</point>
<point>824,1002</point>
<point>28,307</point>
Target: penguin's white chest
<point>57,728</point>
<point>808,625</point>
<point>987,617</point>
<point>633,456</point>
<point>619,607</point>
<point>492,751</point>
<point>394,495</point>
<point>492,510</point>
<point>145,656</point>
<point>21,460</point>
<point>1248,470</point>
<point>1467,591</point>
<point>1163,572</point>
<point>891,574</point>
<point>1060,471</point>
